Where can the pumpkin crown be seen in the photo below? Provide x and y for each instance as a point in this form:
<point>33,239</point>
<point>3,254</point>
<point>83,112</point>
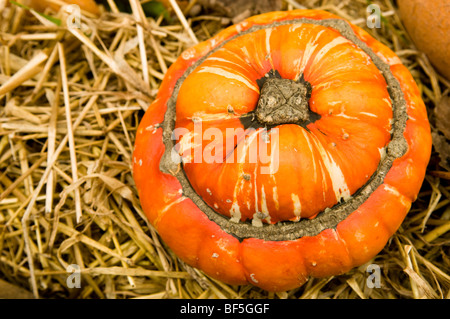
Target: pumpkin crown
<point>275,126</point>
<point>270,129</point>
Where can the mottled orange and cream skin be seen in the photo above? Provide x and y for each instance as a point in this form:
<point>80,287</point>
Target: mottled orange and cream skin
<point>349,93</point>
<point>317,166</point>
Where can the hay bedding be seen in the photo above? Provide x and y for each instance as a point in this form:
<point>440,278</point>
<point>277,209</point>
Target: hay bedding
<point>70,102</point>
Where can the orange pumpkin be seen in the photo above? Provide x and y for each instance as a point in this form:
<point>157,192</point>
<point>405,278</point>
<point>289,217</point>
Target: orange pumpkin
<point>287,146</point>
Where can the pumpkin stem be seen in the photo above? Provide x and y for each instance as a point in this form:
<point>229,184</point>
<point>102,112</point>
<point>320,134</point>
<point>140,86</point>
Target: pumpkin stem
<point>283,101</point>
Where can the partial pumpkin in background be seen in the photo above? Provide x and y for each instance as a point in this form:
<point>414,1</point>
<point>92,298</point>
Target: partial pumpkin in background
<point>428,24</point>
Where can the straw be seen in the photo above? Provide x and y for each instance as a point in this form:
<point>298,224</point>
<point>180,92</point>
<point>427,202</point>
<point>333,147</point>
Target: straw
<point>70,103</point>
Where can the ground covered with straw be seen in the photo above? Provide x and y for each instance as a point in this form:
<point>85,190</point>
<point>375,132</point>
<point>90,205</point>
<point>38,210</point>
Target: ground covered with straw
<point>70,103</point>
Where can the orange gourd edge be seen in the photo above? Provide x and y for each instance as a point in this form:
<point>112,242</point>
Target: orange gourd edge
<point>352,139</point>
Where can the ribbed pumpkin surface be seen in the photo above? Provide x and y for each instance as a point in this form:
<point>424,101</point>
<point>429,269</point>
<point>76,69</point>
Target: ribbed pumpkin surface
<point>287,146</point>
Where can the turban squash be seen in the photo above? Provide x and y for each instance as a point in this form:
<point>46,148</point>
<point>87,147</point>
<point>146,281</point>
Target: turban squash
<point>287,146</point>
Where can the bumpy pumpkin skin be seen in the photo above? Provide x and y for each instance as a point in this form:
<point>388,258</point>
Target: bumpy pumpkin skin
<point>283,264</point>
